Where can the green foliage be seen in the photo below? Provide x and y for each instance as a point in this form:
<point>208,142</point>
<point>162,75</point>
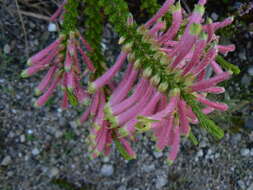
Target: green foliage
<point>205,122</point>
<point>151,6</point>
<point>93,33</point>
<point>140,43</point>
<point>226,65</point>
<point>70,16</point>
<point>122,150</point>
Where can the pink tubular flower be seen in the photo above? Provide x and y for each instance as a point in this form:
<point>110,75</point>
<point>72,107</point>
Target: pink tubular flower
<point>58,12</point>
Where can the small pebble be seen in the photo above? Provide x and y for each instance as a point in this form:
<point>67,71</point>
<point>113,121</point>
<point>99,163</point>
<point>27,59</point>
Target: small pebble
<point>107,170</point>
<point>251,152</point>
<point>53,172</point>
<point>200,153</point>
<point>52,27</point>
<point>250,187</point>
<point>22,138</point>
<point>58,134</point>
<point>214,16</point>
<point>122,187</point>
<point>158,154</point>
<point>7,49</point>
<point>241,184</point>
<point>245,152</point>
<point>161,181</point>
<point>250,71</point>
<point>6,161</point>
<point>35,151</point>
<point>149,168</point>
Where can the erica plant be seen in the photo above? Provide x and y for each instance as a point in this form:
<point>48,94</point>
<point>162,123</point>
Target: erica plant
<point>168,66</point>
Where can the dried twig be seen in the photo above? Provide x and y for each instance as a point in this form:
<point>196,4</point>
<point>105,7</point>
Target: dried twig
<point>23,27</point>
<point>38,16</point>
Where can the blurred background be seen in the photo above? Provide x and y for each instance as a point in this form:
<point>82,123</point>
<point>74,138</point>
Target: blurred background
<point>45,149</point>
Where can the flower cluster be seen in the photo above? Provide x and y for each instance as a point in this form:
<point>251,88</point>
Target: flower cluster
<point>145,100</point>
<point>61,58</point>
<point>163,89</point>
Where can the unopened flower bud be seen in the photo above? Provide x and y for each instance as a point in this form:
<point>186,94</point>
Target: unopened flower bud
<point>155,80</point>
<point>121,40</point>
<point>147,72</point>
<point>163,86</point>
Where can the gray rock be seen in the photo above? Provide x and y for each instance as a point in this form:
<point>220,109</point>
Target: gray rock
<point>241,184</point>
<point>158,154</point>
<point>22,138</point>
<point>7,49</point>
<point>200,153</point>
<point>246,80</point>
<point>107,170</point>
<point>161,181</point>
<point>245,152</point>
<point>6,161</point>
<point>52,27</point>
<point>250,187</point>
<point>35,151</point>
<point>235,139</point>
<point>249,123</point>
<point>250,71</point>
<point>58,134</point>
<point>53,172</point>
<point>122,187</point>
<point>242,55</point>
<point>251,152</point>
<point>214,16</point>
<point>149,168</point>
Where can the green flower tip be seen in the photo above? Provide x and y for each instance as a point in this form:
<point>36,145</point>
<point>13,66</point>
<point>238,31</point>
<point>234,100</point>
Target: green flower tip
<point>29,62</point>
<point>175,8</point>
<point>203,36</point>
<point>24,74</point>
<point>36,105</point>
<point>169,162</point>
<point>67,68</point>
<point>199,9</point>
<point>145,120</point>
<point>37,92</point>
<point>91,88</point>
<point>123,132</point>
<point>195,29</point>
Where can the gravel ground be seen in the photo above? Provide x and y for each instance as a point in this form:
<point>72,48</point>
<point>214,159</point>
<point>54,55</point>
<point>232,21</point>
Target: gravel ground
<point>44,149</point>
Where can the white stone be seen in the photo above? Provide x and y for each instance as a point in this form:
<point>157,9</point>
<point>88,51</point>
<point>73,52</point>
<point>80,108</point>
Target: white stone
<point>7,49</point>
<point>107,170</point>
<point>22,138</point>
<point>214,16</point>
<point>53,172</point>
<point>161,181</point>
<point>6,161</point>
<point>158,154</point>
<point>250,187</point>
<point>250,71</point>
<point>245,152</point>
<point>251,152</point>
<point>52,27</point>
<point>35,151</point>
<point>200,153</point>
